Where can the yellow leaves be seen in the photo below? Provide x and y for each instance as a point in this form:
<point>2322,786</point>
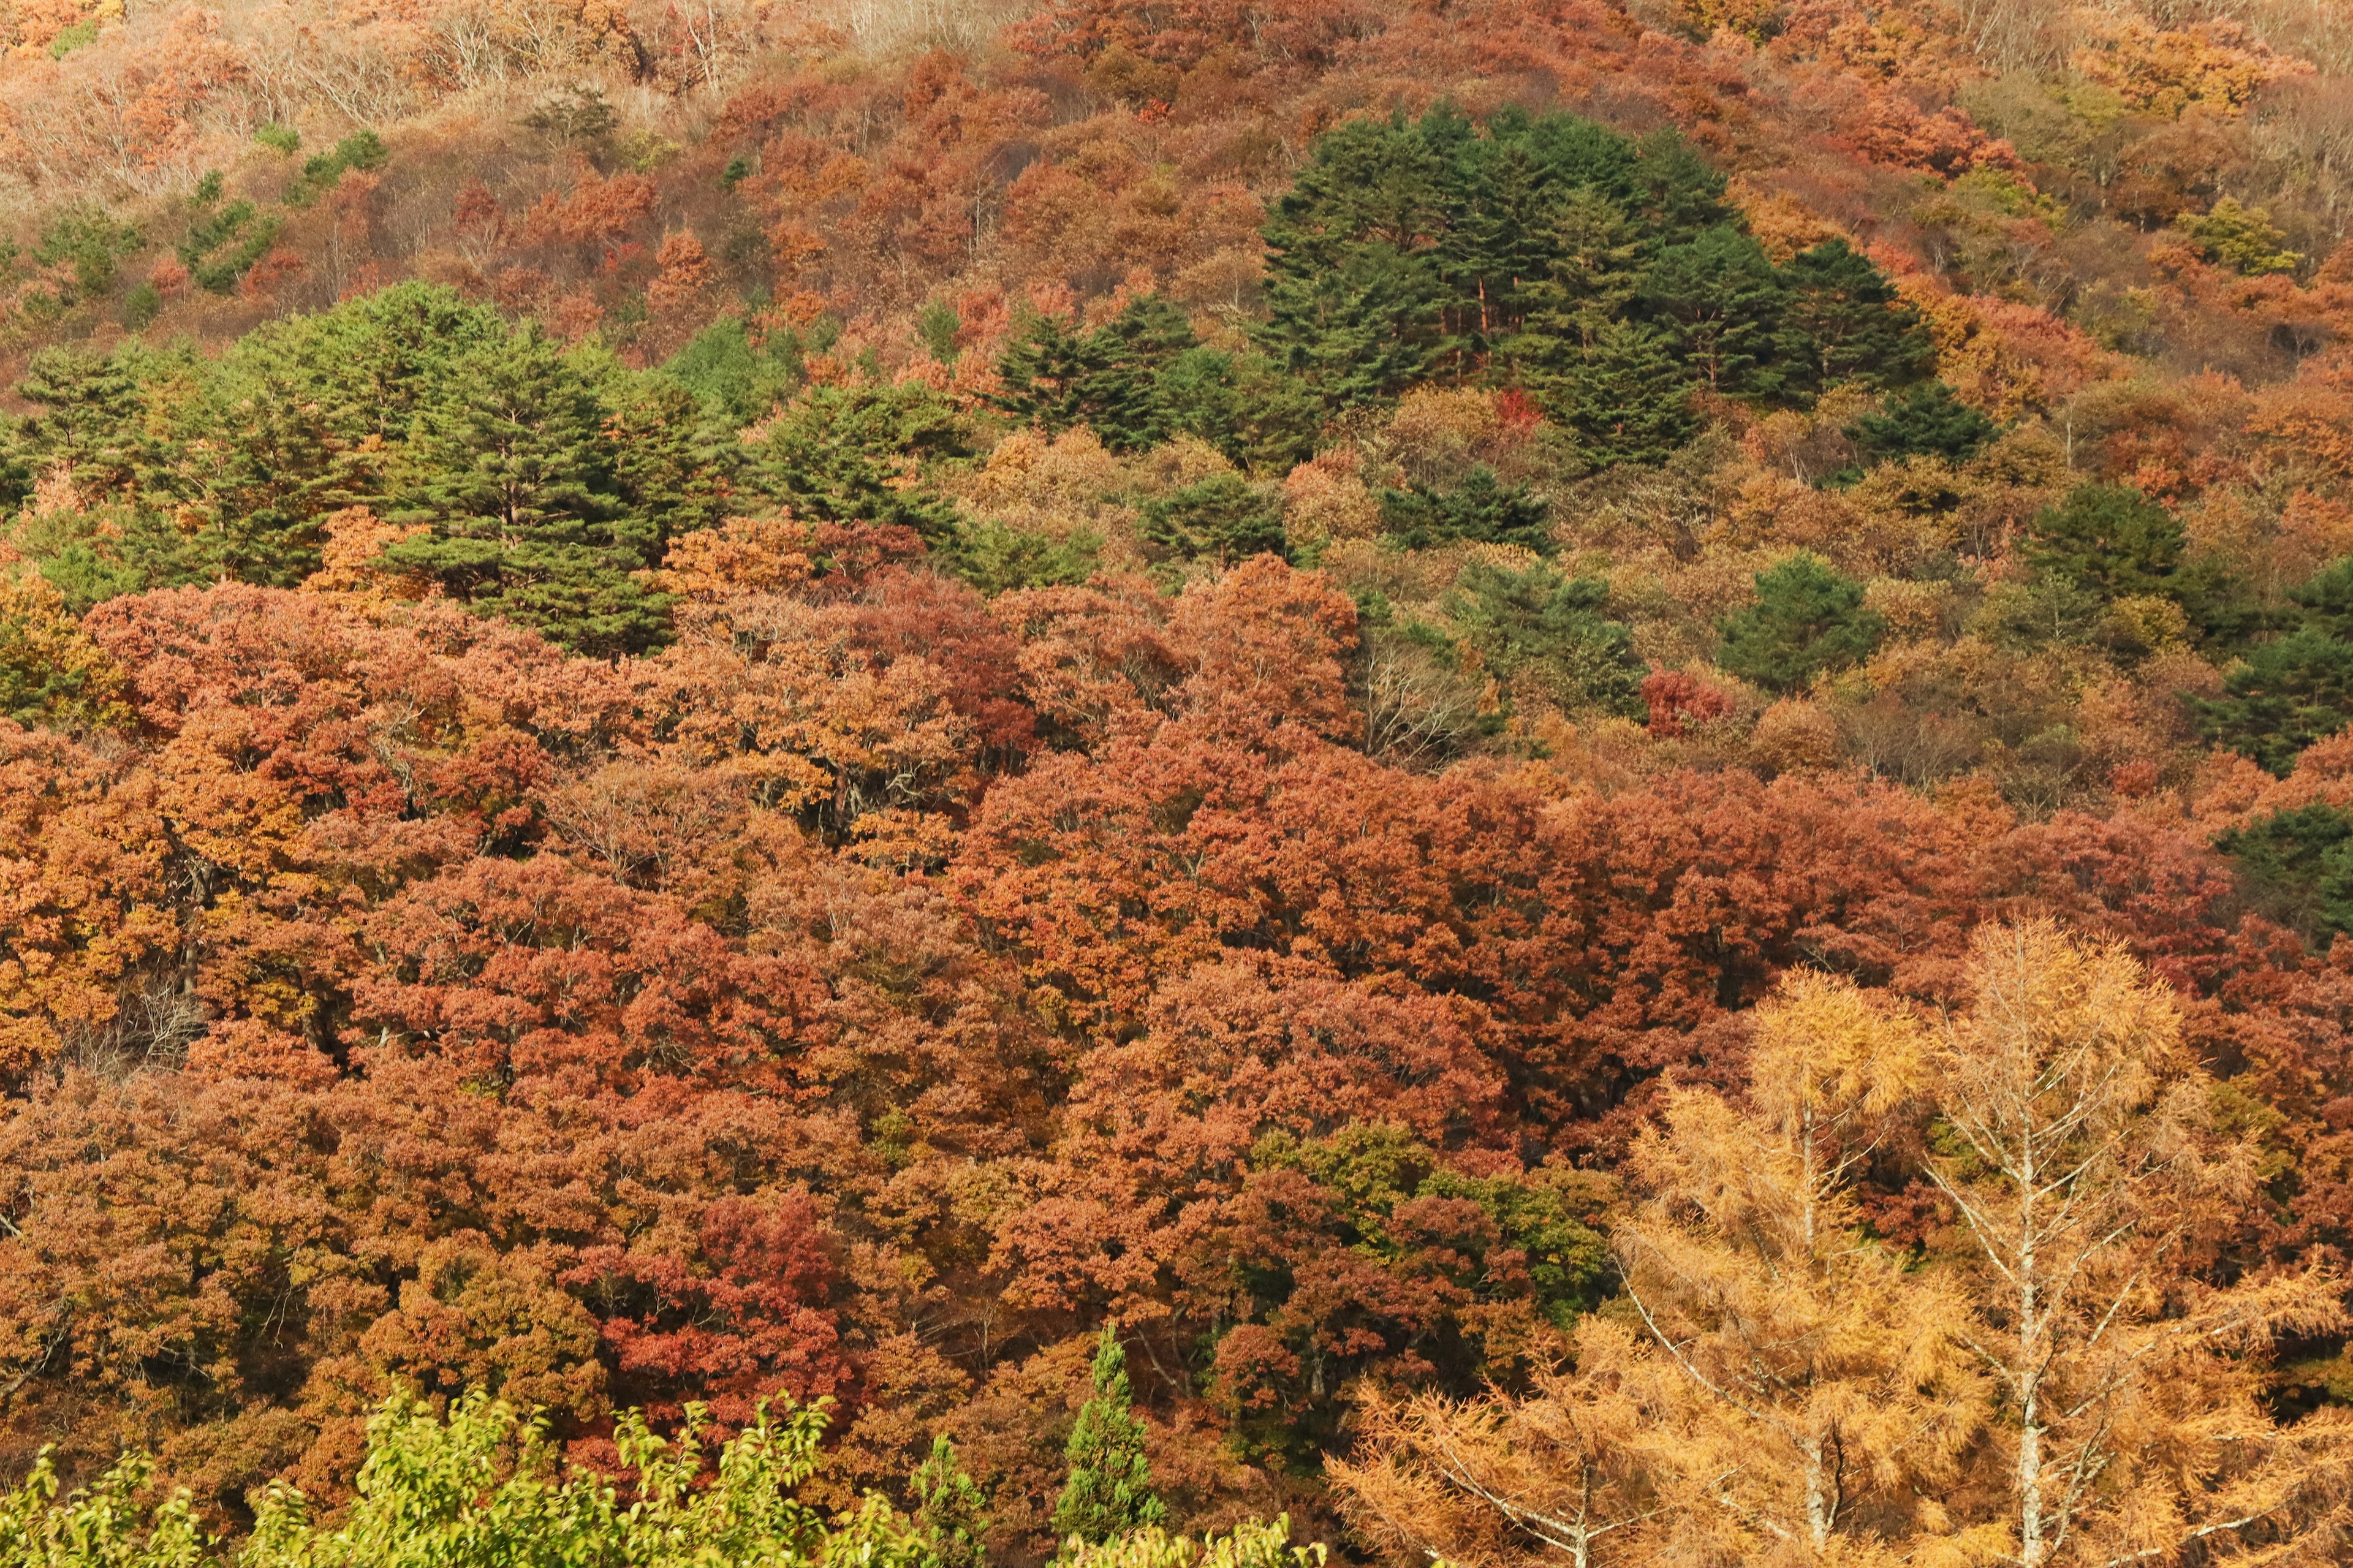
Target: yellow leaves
<point>1823,1052</point>
<point>2089,1005</point>
<point>2214,65</point>
<point>1781,1390</point>
<point>1782,224</point>
<point>1327,499</point>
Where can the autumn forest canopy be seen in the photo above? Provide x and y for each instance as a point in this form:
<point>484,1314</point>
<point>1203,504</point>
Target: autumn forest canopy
<point>1204,783</point>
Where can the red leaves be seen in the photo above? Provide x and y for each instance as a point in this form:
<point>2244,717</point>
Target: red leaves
<point>735,1314</point>
<point>512,973</point>
<point>1675,699</point>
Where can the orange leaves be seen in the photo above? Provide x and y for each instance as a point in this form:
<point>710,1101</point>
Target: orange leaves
<point>1267,644</point>
<point>2306,423</point>
<point>597,213</point>
<point>743,556</point>
<point>535,973</point>
<point>685,272</point>
<point>89,947</point>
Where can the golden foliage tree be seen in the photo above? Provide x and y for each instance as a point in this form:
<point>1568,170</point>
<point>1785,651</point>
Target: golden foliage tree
<point>2061,1385</point>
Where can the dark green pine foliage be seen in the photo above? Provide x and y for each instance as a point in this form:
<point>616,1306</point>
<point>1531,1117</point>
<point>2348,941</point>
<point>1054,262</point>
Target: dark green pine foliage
<point>2296,689</point>
<point>1806,619</point>
<point>996,558</point>
<point>841,454</point>
<point>2296,866</point>
<point>1407,250</point>
<point>950,1515</point>
<point>1223,517</point>
<point>1551,630</point>
<point>1719,301</point>
<point>306,415</point>
<point>736,381</point>
<point>1591,272</point>
<point>672,459</point>
<point>1114,380</point>
<point>1923,421</point>
<point>1109,1490</point>
<point>1045,369</point>
<point>374,363</point>
<point>1363,332</point>
<point>221,247</point>
<point>264,467</point>
<point>1356,287</point>
<point>1241,405</point>
<point>1857,326</point>
<point>1625,397</point>
<point>515,475</point>
<point>1680,193</point>
<point>88,422</point>
<point>2108,541</point>
<point>1481,508</point>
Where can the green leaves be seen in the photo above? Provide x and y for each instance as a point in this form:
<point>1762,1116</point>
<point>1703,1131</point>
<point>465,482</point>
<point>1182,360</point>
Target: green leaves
<point>1109,1491</point>
<point>1479,509</point>
<point>841,454</point>
<point>1541,626</point>
<point>1223,517</point>
<point>99,1526</point>
<point>1926,421</point>
<point>222,247</point>
<point>360,150</point>
<point>516,477</point>
<point>2294,690</point>
<point>1858,327</point>
<point>2109,540</point>
<point>2297,864</point>
<point>1609,279</point>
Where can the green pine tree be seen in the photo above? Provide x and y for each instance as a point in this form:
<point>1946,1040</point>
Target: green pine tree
<point>950,1515</point>
<point>2296,866</point>
<point>1481,508</point>
<point>737,381</point>
<point>1543,626</point>
<point>842,454</point>
<point>1854,325</point>
<point>1682,192</point>
<point>1045,369</point>
<point>1627,397</point>
<point>1355,292</point>
<point>1109,1491</point>
<point>1362,331</point>
<point>1720,301</point>
<point>1223,517</point>
<point>2296,689</point>
<point>2110,540</point>
<point>1591,272</point>
<point>1807,619</point>
<point>1925,421</point>
<point>514,474</point>
<point>672,461</point>
<point>88,420</point>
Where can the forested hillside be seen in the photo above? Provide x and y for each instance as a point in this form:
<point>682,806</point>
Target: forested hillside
<point>1550,781</point>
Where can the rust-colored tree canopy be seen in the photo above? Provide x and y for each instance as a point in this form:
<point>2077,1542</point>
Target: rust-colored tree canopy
<point>1556,782</point>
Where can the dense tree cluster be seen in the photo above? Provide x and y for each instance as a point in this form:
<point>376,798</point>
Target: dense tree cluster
<point>1538,781</point>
